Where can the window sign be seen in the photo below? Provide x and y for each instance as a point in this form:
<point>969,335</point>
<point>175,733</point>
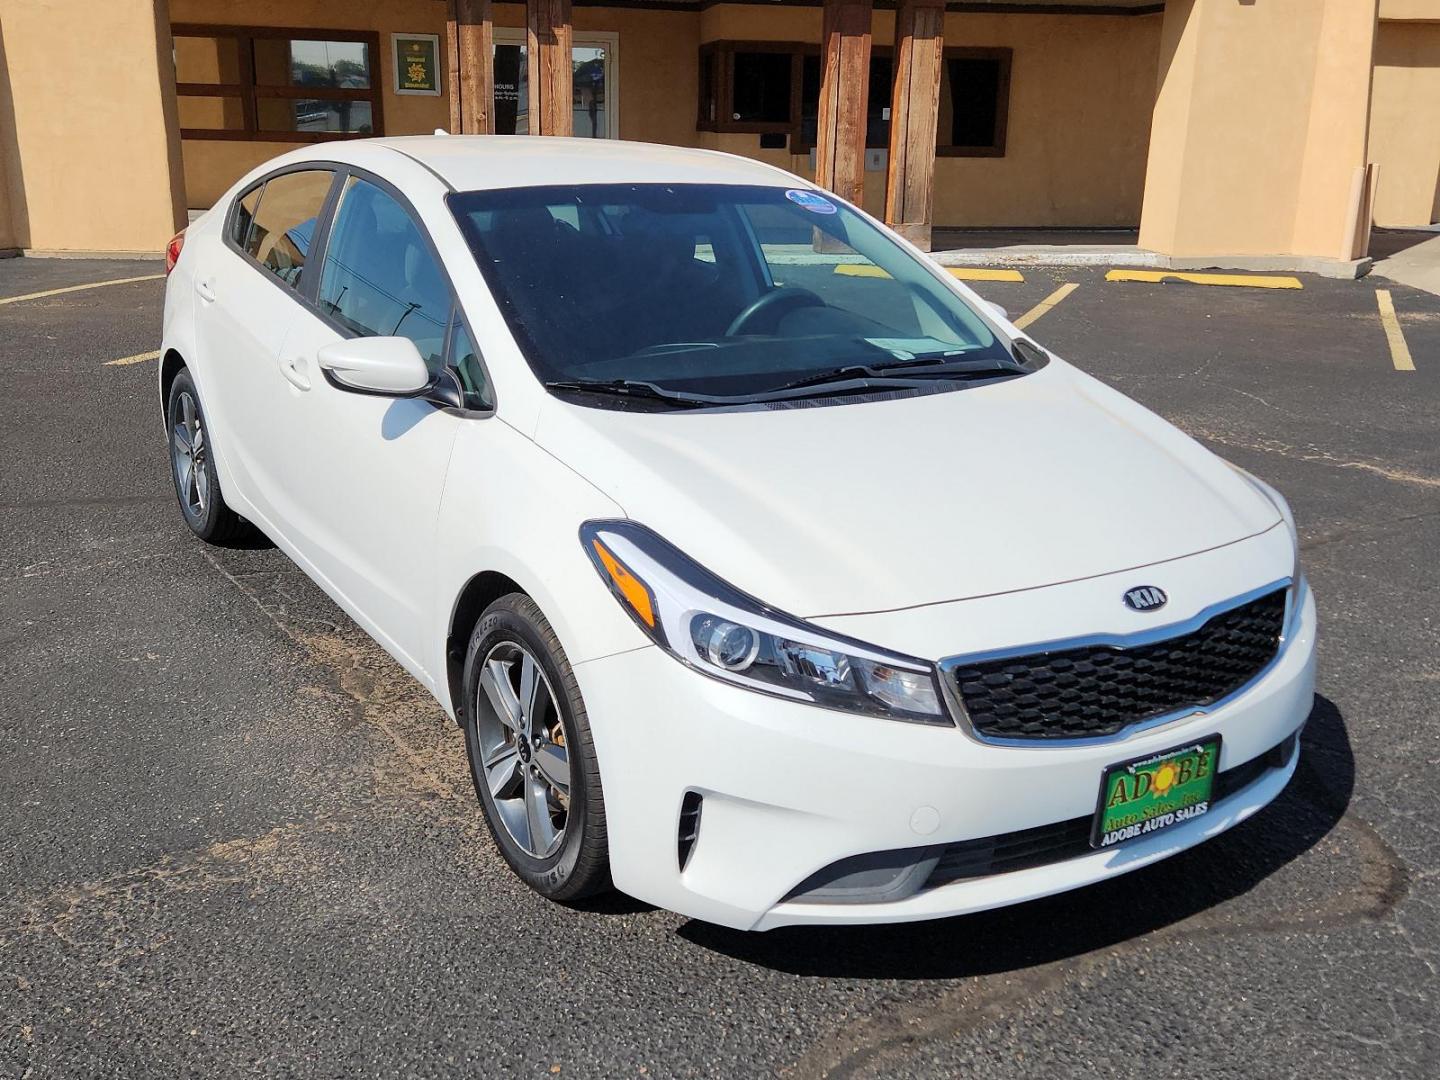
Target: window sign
<point>417,64</point>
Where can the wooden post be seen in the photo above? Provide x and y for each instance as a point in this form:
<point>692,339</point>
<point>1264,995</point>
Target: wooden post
<point>452,66</point>
<point>552,92</point>
<point>914,113</point>
<point>844,97</point>
<point>470,48</point>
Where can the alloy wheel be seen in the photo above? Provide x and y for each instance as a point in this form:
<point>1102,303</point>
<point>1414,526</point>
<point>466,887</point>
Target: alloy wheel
<point>522,751</point>
<point>188,452</point>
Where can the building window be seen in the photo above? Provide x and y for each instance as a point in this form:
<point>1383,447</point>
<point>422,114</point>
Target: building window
<point>276,84</point>
<point>770,87</point>
<point>974,103</point>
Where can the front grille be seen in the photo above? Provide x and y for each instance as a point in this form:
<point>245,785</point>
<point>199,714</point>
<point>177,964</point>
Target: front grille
<point>1097,690</point>
<point>1063,840</point>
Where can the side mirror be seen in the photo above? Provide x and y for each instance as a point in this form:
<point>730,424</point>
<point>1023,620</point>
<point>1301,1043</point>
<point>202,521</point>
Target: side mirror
<point>996,310</point>
<point>375,365</point>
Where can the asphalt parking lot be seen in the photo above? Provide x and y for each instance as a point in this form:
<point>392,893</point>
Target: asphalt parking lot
<point>238,840</point>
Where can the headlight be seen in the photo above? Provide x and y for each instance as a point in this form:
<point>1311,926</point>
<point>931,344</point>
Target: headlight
<point>719,630</point>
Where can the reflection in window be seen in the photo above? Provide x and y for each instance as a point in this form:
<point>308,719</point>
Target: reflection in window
<point>466,362</point>
<point>282,62</point>
<point>309,114</point>
<point>284,222</point>
<point>235,82</point>
<point>590,66</point>
<point>380,278</point>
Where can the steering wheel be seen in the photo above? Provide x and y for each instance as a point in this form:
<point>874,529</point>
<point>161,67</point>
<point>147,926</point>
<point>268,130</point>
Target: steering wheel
<point>774,304</point>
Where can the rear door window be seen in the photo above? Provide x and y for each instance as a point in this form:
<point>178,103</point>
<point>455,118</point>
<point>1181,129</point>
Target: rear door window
<point>284,223</point>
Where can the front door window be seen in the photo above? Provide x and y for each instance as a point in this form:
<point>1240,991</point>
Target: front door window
<point>592,63</point>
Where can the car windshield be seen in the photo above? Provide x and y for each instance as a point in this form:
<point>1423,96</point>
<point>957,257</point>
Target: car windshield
<point>694,293</point>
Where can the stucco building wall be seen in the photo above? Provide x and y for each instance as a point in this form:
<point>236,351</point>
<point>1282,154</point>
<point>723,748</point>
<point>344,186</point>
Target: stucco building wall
<point>1405,123</point>
<point>91,158</point>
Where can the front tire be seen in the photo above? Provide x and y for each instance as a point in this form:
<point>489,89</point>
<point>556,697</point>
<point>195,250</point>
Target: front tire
<point>192,468</point>
<point>532,759</point>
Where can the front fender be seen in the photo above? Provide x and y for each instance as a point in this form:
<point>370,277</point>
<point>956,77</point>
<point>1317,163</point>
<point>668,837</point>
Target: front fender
<point>511,508</point>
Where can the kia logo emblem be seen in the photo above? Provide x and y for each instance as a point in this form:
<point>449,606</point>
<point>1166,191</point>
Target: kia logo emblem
<point>1145,598</point>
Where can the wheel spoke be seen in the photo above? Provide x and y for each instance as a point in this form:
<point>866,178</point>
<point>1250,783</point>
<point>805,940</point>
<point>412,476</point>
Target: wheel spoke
<point>531,689</point>
<point>495,680</point>
<point>500,772</point>
<point>202,485</point>
<point>187,410</point>
<point>186,469</point>
<point>182,438</point>
<point>554,766</point>
<point>537,818</point>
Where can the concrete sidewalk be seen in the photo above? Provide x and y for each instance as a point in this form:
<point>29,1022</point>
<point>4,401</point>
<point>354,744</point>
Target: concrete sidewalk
<point>1111,247</point>
<point>1413,264</point>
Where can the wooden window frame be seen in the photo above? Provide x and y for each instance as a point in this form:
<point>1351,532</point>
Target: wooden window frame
<point>249,92</point>
<point>1002,101</point>
<point>722,53</point>
<point>724,87</point>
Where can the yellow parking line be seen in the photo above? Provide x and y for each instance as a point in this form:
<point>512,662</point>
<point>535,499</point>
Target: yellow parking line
<point>77,288</point>
<point>1399,350</point>
<point>1244,281</point>
<point>138,358</point>
<point>964,273</point>
<point>981,273</point>
<point>1044,306</point>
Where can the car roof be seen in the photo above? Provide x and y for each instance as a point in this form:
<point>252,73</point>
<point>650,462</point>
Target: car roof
<point>476,162</point>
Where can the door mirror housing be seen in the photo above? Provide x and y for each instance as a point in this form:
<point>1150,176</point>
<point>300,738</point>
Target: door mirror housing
<point>996,310</point>
<point>390,366</point>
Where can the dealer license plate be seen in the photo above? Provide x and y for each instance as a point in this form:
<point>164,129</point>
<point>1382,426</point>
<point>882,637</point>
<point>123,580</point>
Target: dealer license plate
<point>1143,796</point>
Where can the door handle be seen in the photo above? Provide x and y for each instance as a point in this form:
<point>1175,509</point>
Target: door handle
<point>295,370</point>
<point>206,291</point>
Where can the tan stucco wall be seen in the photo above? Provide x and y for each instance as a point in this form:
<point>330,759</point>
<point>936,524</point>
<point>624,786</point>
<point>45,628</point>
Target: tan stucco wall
<point>1081,90</point>
<point>1405,123</point>
<point>90,157</point>
<point>1259,127</point>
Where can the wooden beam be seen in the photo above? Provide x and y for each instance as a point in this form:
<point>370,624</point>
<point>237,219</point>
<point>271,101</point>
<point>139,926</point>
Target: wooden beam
<point>551,105</point>
<point>844,97</point>
<point>914,113</point>
<point>452,66</point>
<point>475,33</point>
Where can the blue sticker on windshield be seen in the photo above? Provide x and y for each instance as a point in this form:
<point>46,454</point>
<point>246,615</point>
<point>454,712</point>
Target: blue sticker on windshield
<point>816,204</point>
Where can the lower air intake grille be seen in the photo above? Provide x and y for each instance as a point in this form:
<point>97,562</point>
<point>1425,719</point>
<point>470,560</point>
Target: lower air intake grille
<point>1099,690</point>
<point>689,830</point>
<point>1063,840</point>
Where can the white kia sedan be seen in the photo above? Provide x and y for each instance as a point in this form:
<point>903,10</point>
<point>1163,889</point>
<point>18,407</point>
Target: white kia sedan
<point>773,576</point>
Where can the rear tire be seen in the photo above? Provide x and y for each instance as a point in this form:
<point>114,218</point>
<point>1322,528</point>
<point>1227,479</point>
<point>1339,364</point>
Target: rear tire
<point>532,759</point>
<point>192,468</point>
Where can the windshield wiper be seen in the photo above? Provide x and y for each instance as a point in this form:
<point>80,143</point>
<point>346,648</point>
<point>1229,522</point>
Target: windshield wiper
<point>635,388</point>
<point>916,368</point>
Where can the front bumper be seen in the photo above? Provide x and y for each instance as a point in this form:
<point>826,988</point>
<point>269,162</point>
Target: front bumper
<point>789,789</point>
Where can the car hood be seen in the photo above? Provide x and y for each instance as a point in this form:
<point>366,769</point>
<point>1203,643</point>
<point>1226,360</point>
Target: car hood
<point>877,505</point>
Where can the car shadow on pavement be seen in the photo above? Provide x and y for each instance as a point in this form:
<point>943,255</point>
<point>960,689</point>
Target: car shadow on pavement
<point>1071,924</point>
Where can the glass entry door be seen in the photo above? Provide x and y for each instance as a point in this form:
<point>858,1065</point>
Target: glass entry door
<point>596,95</point>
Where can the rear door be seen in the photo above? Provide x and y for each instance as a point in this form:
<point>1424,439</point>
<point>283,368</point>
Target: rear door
<point>248,293</point>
